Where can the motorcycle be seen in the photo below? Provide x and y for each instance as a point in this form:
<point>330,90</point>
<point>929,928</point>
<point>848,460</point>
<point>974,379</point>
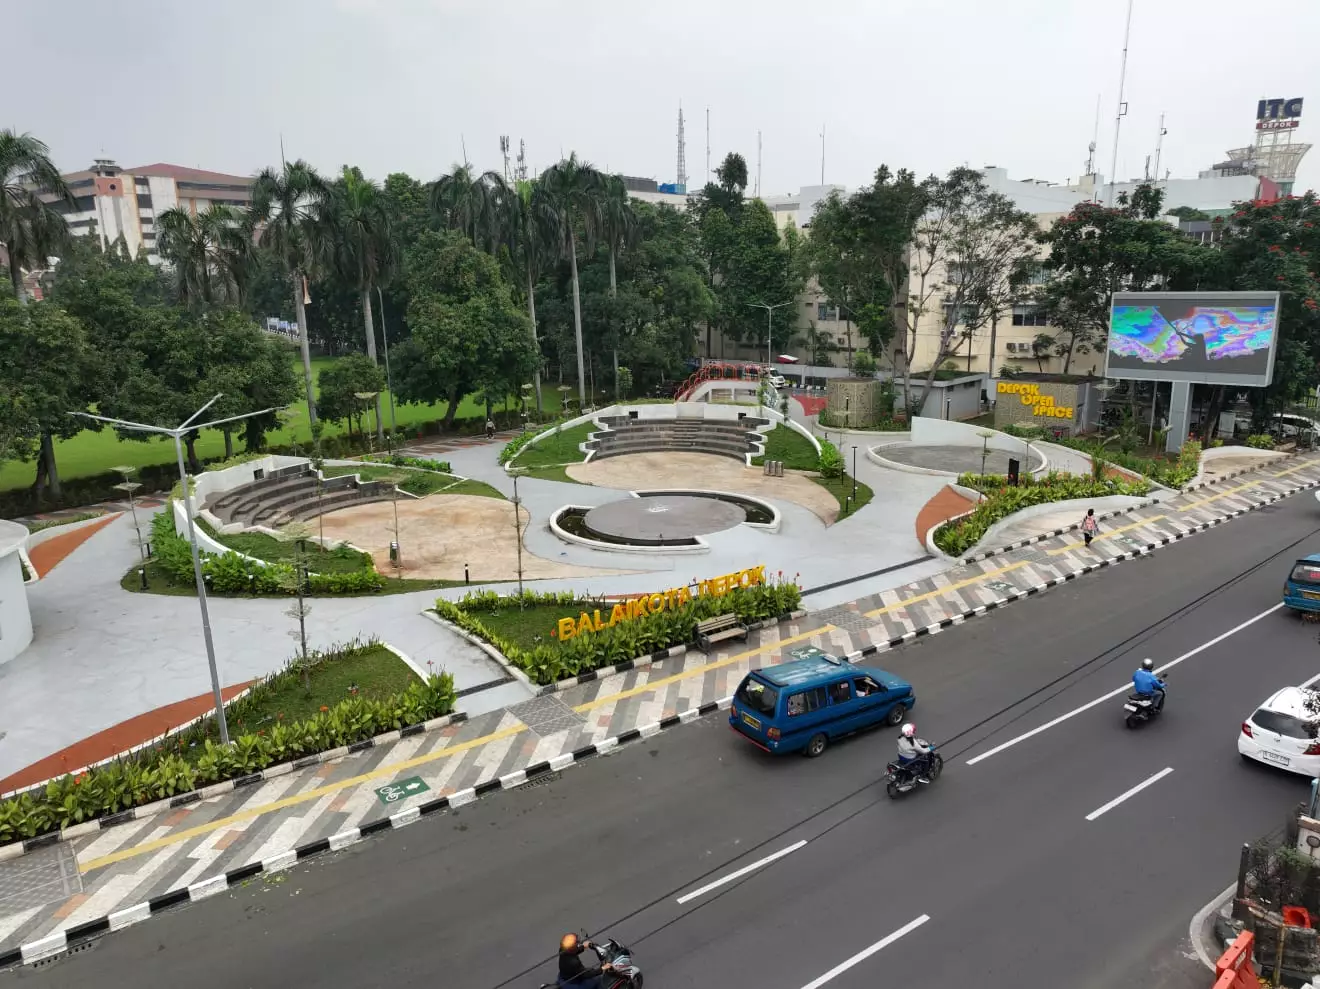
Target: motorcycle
<point>901,779</point>
<point>1142,709</point>
<point>625,974</point>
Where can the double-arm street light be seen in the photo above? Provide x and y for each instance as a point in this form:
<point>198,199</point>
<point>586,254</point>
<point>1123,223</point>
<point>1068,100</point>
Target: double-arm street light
<point>178,432</point>
<point>769,317</point>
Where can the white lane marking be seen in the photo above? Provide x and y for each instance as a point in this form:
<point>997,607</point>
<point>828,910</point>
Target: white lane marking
<point>1120,690</point>
<point>741,872</point>
<point>1130,793</point>
<point>861,956</point>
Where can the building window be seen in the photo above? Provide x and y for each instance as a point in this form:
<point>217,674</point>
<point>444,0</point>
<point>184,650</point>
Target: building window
<point>1029,316</point>
<point>1036,274</point>
<point>962,318</point>
<point>959,273</point>
<point>827,313</point>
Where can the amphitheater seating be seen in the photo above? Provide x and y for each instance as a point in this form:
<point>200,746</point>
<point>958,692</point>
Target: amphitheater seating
<point>721,437</point>
<point>294,494</point>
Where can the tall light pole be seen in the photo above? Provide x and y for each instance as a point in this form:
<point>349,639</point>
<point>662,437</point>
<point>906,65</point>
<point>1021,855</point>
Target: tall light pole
<point>178,432</point>
<point>389,381</point>
<point>367,396</point>
<point>517,472</point>
<point>769,317</point>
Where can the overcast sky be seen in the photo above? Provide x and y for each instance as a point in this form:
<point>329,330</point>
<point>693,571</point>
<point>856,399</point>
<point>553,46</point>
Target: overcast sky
<point>399,85</point>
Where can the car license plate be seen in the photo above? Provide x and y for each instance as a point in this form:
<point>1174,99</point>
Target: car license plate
<point>1311,595</point>
<point>751,721</point>
<point>1274,757</point>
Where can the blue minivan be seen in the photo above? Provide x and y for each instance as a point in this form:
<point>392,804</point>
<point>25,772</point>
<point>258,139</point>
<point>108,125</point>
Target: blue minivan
<point>1301,591</point>
<point>804,704</point>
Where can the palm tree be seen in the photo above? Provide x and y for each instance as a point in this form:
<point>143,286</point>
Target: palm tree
<point>288,203</point>
<point>364,251</point>
<point>209,252</point>
<point>573,189</point>
<point>528,227</point>
<point>31,229</point>
<point>463,200</point>
<point>618,225</point>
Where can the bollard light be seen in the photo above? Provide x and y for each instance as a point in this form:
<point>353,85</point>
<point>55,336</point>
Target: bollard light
<point>142,576</point>
<point>466,578</point>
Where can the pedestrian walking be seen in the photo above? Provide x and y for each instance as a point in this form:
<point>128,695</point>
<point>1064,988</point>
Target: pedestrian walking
<point>1090,526</point>
<point>490,429</point>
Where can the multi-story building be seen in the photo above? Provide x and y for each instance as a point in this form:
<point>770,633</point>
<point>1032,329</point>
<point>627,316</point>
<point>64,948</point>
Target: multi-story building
<point>112,202</point>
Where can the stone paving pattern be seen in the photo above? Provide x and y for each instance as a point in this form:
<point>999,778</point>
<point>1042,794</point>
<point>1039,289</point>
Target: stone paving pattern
<point>128,864</point>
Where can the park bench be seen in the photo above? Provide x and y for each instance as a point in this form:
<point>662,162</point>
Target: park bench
<point>718,629</point>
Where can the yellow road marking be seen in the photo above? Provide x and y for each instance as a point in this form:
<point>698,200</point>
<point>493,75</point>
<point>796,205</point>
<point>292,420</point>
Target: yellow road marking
<point>393,769</point>
<point>1108,534</point>
<point>945,590</point>
<point>246,815</point>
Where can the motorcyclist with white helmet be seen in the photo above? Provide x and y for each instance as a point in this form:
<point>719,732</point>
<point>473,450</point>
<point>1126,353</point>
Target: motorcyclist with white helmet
<point>914,752</point>
<point>1147,685</point>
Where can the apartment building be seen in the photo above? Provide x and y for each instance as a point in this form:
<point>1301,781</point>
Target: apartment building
<point>112,202</point>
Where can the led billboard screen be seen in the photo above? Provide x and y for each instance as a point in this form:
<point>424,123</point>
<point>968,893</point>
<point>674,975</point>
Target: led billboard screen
<point>1217,338</point>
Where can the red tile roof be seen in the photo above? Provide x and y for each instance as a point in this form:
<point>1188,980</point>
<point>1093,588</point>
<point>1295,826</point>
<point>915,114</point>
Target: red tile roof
<point>180,173</point>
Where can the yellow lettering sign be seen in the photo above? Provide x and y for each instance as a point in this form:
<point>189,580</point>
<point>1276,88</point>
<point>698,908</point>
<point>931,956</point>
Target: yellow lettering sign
<point>650,604</point>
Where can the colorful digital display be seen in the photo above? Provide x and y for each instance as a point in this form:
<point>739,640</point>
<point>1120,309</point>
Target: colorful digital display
<point>1226,338</point>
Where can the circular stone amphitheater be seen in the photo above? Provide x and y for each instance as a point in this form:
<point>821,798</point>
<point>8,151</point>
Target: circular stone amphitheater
<point>659,519</point>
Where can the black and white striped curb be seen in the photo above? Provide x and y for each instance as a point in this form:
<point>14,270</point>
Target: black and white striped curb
<point>18,849</point>
<point>1198,485</point>
<point>1040,537</point>
<point>71,939</point>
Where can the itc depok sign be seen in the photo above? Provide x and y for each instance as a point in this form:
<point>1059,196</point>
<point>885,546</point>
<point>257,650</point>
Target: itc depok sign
<point>1278,114</point>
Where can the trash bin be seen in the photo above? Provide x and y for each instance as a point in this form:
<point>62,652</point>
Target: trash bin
<point>394,552</point>
<point>1013,468</point>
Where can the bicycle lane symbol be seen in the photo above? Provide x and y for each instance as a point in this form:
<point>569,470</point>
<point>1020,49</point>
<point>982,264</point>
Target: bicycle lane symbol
<point>402,789</point>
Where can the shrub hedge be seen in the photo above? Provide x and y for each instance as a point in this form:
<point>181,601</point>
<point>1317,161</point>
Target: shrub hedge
<point>398,460</point>
<point>231,573</point>
<point>555,661</point>
<point>1170,473</point>
<point>1002,500</point>
<point>830,464</point>
<point>192,759</point>
<point>1261,441</point>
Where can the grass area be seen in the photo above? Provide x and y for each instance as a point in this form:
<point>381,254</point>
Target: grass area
<point>341,559</point>
<point>39,525</point>
<point>481,489</point>
<point>557,448</point>
<point>375,672</point>
<point>160,581</point>
<point>790,446</point>
<point>842,489</point>
<point>91,453</point>
<point>986,421</point>
<point>415,482</point>
<point>528,627</point>
<point>555,472</point>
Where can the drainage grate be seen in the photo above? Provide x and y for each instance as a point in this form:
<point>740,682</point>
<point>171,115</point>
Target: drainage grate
<point>543,779</point>
<point>546,715</point>
<point>40,877</point>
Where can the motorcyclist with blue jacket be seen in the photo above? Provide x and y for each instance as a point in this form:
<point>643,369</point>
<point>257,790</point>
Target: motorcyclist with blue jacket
<point>1147,685</point>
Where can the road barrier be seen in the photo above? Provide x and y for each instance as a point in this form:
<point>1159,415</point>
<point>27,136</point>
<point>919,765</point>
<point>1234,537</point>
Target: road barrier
<point>1233,970</point>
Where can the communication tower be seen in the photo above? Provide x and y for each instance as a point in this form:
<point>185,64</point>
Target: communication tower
<point>680,176</point>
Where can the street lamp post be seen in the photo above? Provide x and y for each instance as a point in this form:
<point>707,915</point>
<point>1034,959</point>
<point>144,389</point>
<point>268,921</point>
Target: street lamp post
<point>130,487</point>
<point>177,433</point>
<point>769,317</point>
<point>517,472</point>
<point>389,381</point>
<point>367,396</point>
<point>854,446</point>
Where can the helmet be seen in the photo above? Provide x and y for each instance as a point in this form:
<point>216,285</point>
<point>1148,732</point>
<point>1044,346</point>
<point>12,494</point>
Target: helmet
<point>568,943</point>
<point>908,730</point>
<point>1148,663</point>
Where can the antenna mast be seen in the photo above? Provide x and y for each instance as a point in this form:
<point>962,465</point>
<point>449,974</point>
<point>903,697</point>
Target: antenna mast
<point>680,178</point>
<point>1122,107</point>
<point>504,150</point>
<point>758,163</point>
<point>1095,139</point>
<point>1159,147</point>
<point>520,171</point>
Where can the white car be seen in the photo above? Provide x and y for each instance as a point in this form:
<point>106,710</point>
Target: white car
<point>1282,732</point>
<point>777,380</point>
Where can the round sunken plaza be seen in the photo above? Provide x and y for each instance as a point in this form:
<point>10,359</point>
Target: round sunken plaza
<point>660,519</point>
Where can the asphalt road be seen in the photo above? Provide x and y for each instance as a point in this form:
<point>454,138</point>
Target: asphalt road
<point>1018,886</point>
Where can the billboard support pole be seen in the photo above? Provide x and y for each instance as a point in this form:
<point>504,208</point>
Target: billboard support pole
<point>1180,416</point>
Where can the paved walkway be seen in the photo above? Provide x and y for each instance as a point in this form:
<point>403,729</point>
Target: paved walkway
<point>109,877</point>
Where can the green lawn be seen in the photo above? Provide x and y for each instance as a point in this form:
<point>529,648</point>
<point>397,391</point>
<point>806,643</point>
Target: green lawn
<point>790,446</point>
<point>527,627</point>
<point>557,448</point>
<point>342,559</point>
<point>62,520</point>
<point>415,482</point>
<point>91,453</point>
<point>842,489</point>
<point>161,581</point>
<point>376,672</point>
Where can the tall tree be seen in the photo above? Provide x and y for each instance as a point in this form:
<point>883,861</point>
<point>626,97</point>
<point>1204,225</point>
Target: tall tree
<point>209,253</point>
<point>574,189</point>
<point>289,204</point>
<point>48,370</point>
<point>529,229</point>
<point>365,252</point>
<point>618,228</point>
<point>462,200</point>
<point>342,382</point>
<point>31,229</point>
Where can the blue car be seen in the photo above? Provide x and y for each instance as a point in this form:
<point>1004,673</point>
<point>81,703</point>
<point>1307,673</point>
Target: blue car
<point>1301,591</point>
<point>804,704</point>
